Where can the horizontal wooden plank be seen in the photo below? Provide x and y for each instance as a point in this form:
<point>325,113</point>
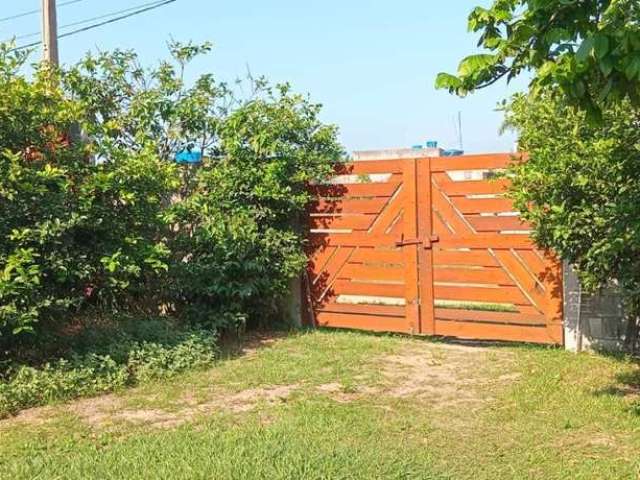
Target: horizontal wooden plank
<point>491,317</point>
<point>497,224</point>
<point>362,206</point>
<point>486,240</point>
<point>363,322</point>
<point>355,190</point>
<point>474,258</point>
<point>354,239</point>
<point>481,331</point>
<point>346,287</point>
<point>378,256</point>
<point>373,166</point>
<point>363,309</point>
<point>472,162</point>
<point>471,187</point>
<point>342,222</point>
<point>482,205</point>
<point>369,273</point>
<point>509,295</point>
<point>491,276</point>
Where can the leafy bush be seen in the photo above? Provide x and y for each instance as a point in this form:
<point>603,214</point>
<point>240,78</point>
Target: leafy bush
<point>123,356</point>
<point>580,189</point>
<point>108,221</point>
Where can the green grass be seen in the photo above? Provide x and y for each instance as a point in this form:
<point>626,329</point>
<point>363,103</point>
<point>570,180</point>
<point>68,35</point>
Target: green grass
<point>351,406</point>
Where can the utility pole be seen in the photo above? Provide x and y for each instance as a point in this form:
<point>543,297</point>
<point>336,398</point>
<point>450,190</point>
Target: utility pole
<point>50,32</point>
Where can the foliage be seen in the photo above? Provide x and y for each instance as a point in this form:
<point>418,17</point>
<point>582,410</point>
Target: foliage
<point>128,355</point>
<point>589,49</point>
<point>239,220</point>
<point>109,221</point>
<point>72,233</point>
<point>580,187</point>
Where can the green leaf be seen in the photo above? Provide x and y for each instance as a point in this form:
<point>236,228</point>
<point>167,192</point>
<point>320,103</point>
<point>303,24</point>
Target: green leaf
<point>585,50</point>
<point>474,63</point>
<point>446,80</point>
<point>601,46</point>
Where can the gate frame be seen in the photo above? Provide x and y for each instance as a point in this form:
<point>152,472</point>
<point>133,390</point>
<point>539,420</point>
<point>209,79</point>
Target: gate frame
<point>417,242</point>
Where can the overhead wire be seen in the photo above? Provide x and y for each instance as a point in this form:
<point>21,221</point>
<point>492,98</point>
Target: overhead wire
<point>149,7</point>
<point>31,12</point>
<point>92,19</point>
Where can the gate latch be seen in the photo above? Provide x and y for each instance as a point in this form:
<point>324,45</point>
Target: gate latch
<point>416,241</point>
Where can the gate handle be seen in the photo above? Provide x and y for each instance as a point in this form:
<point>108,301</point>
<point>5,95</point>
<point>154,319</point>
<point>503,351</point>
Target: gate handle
<point>416,241</point>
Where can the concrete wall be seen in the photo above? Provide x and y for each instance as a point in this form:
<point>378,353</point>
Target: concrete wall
<point>600,317</point>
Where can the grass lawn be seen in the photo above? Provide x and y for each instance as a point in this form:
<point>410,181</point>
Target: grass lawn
<point>347,405</point>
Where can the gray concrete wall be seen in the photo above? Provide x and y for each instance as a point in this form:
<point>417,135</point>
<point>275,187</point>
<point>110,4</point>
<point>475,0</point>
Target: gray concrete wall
<point>599,317</point>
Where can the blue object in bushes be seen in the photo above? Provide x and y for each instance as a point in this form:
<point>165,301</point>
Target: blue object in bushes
<point>188,157</point>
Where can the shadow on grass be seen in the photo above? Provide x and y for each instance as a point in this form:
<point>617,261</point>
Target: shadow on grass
<point>448,340</point>
<point>627,385</point>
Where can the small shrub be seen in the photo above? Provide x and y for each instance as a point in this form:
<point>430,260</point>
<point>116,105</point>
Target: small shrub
<point>128,360</point>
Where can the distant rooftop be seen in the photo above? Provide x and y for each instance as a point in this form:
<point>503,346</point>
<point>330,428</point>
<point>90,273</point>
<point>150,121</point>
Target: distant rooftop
<point>391,153</point>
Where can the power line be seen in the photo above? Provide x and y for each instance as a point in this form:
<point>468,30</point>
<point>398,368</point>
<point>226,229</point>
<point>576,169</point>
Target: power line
<point>92,19</point>
<point>106,22</point>
<point>31,12</point>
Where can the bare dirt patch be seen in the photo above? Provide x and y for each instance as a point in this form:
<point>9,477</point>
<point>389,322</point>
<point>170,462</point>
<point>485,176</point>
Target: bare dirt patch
<point>100,413</point>
<point>444,374</point>
<point>439,374</point>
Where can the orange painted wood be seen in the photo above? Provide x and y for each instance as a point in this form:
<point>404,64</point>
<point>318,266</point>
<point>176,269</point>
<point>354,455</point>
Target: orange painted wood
<point>454,218</point>
<point>355,189</point>
<point>487,240</point>
<point>425,256</point>
<point>389,214</point>
<point>353,222</point>
<point>323,281</point>
<point>318,259</point>
<point>408,226</point>
<point>472,162</point>
<point>378,310</point>
<point>480,258</point>
<point>497,224</point>
<point>377,256</point>
<point>491,276</point>
<point>354,239</point>
<point>421,200</point>
<point>482,205</point>
<point>481,331</point>
<point>345,287</point>
<point>369,205</point>
<point>470,187</point>
<point>527,283</point>
<point>368,273</point>
<point>491,317</point>
<point>363,322</point>
<point>438,225</point>
<point>509,295</point>
<point>537,265</point>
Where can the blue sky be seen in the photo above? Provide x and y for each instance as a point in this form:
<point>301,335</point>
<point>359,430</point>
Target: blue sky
<point>372,64</point>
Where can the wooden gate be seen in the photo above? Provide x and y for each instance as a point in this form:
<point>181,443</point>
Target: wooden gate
<point>429,246</point>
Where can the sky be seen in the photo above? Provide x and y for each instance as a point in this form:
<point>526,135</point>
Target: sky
<point>371,64</point>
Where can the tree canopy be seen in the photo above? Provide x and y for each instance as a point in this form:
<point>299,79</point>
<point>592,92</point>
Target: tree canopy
<point>589,49</point>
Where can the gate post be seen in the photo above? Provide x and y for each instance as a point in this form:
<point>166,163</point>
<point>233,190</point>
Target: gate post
<point>424,213</point>
<point>410,251</point>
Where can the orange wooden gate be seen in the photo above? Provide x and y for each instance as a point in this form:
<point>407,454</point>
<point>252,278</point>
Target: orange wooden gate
<point>429,246</point>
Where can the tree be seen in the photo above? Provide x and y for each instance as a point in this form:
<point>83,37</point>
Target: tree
<point>580,189</point>
<point>589,49</point>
